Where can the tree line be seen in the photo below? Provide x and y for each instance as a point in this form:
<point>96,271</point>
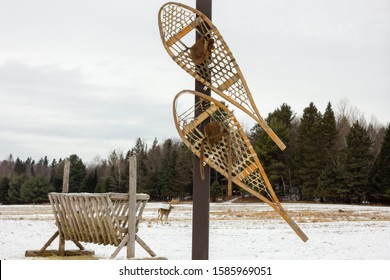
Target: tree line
<point>331,157</point>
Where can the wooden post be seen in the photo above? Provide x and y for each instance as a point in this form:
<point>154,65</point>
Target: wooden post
<point>65,189</point>
<point>132,206</point>
<point>65,182</point>
<point>230,188</point>
<point>201,188</point>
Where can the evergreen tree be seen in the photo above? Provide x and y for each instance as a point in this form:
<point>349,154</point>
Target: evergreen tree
<point>57,174</point>
<point>42,168</point>
<point>357,164</point>
<point>29,165</point>
<point>140,149</point>
<point>20,167</point>
<point>329,184</point>
<point>215,191</point>
<point>35,190</point>
<point>329,131</point>
<point>77,173</point>
<point>90,181</point>
<point>4,186</point>
<point>381,172</point>
<point>102,176</point>
<point>329,177</point>
<point>184,170</point>
<point>310,154</point>
<point>153,183</point>
<point>14,189</point>
<point>275,162</point>
<point>169,153</point>
<point>32,168</point>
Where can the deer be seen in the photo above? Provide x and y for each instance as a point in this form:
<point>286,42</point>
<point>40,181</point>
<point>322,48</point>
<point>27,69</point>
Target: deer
<point>164,212</point>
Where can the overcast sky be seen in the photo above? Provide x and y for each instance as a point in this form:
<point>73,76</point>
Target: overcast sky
<point>86,77</point>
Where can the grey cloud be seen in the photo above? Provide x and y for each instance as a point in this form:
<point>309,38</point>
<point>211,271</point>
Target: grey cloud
<point>47,101</point>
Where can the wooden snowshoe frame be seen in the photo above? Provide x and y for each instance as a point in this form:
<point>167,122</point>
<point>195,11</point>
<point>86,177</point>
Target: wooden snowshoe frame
<point>220,72</point>
<point>244,166</point>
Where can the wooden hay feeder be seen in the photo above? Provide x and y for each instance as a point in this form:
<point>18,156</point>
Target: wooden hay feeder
<point>93,218</point>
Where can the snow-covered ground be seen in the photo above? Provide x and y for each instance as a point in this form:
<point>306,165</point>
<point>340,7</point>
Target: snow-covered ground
<point>237,231</point>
